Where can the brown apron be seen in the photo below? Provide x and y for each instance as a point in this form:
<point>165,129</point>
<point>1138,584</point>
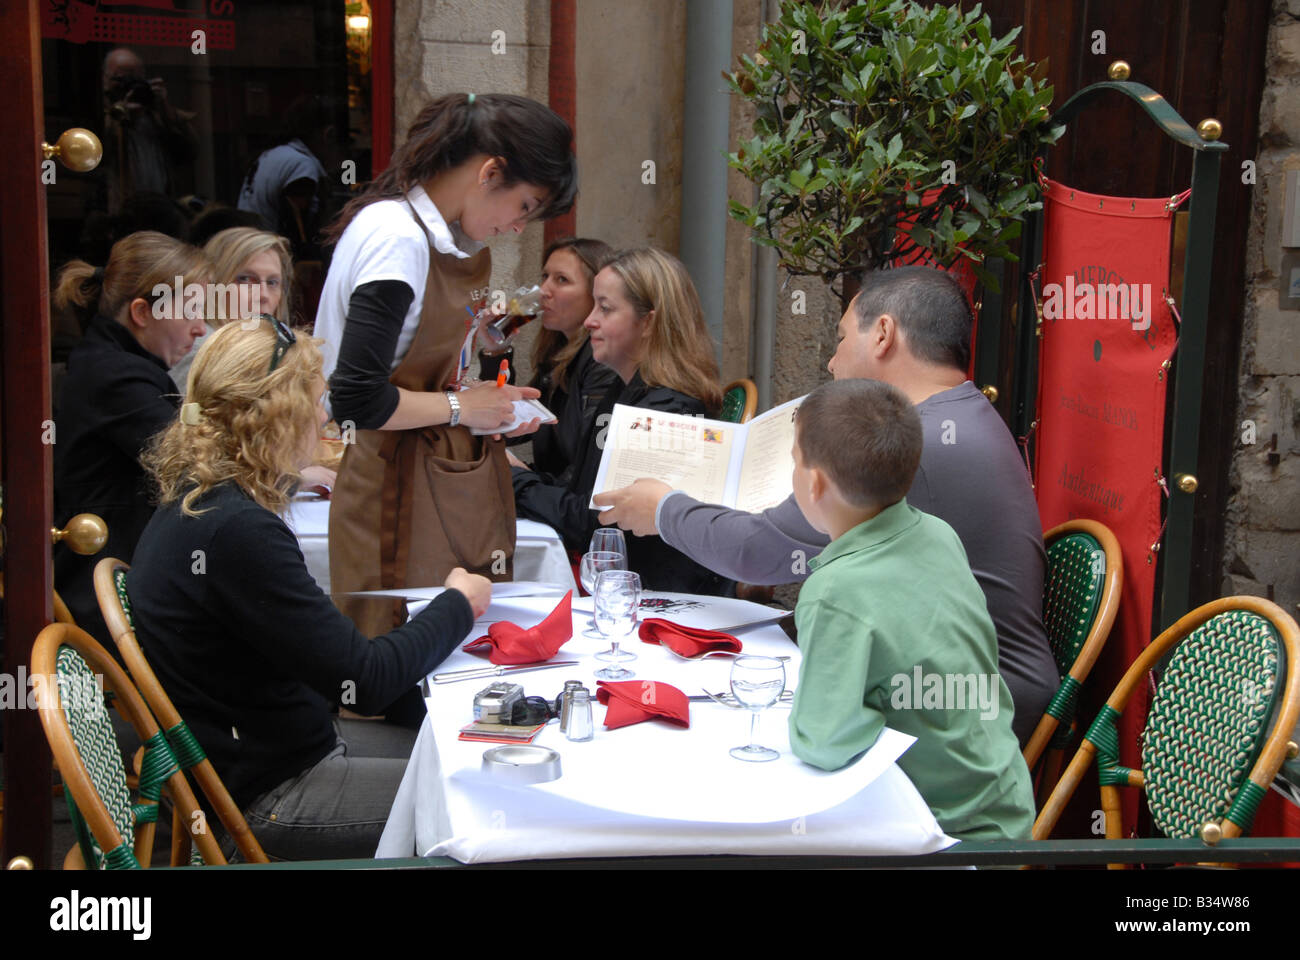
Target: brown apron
<point>410,505</point>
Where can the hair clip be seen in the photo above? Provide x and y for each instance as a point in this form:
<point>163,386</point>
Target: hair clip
<point>190,414</point>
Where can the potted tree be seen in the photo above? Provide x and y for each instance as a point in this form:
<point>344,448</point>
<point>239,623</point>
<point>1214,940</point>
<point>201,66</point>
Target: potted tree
<point>889,131</point>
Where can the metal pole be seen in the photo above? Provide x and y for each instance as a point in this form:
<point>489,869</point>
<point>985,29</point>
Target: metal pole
<point>1189,370</point>
<point>703,244</point>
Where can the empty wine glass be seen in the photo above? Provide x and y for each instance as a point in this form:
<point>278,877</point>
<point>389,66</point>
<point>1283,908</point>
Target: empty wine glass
<point>608,539</point>
<point>757,683</point>
<point>590,567</point>
<point>618,597</point>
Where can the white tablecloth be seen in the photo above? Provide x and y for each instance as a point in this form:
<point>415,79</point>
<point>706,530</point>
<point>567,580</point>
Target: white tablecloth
<point>652,788</point>
<point>539,552</point>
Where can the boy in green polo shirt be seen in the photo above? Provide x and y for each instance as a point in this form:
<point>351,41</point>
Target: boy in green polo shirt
<point>892,625</point>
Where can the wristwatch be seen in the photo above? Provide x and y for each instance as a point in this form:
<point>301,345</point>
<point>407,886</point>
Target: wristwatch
<point>454,402</point>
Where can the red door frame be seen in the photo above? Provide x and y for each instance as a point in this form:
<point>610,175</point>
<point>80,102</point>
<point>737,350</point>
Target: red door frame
<point>381,85</point>
<point>27,460</point>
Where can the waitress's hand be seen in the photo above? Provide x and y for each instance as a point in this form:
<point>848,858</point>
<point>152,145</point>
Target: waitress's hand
<point>485,405</point>
<point>477,590</point>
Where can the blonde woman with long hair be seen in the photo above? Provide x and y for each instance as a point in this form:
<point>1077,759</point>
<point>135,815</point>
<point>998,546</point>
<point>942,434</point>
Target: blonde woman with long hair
<point>647,326</point>
<point>249,648</point>
<point>254,268</point>
<point>116,395</point>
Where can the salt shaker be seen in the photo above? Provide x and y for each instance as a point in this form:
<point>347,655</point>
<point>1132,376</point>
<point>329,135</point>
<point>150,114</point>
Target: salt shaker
<point>580,726</point>
<point>566,702</point>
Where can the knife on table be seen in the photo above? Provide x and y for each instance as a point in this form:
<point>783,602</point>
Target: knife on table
<point>497,671</point>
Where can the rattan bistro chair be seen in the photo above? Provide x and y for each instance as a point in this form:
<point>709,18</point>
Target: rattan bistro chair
<point>72,709</point>
<point>739,401</point>
<point>1085,572</point>
<point>110,591</point>
<point>1218,729</point>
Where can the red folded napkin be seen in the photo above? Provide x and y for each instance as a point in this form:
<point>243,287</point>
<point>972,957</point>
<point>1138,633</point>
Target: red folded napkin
<point>510,643</point>
<point>686,641</point>
<point>631,701</point>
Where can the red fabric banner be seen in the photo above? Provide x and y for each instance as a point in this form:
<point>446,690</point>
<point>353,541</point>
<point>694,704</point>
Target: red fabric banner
<point>1106,331</point>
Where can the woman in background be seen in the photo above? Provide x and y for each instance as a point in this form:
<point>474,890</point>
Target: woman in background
<point>572,383</point>
<point>117,395</point>
<point>647,326</point>
<point>255,268</point>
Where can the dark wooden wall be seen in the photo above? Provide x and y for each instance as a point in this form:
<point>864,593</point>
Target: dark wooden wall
<point>1206,57</point>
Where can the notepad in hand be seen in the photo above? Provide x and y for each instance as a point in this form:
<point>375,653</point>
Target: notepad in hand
<point>524,411</point>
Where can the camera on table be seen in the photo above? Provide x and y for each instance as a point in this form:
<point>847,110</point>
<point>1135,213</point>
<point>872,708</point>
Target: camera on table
<point>495,703</point>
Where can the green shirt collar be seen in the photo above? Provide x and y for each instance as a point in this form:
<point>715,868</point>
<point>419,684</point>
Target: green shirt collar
<point>887,524</point>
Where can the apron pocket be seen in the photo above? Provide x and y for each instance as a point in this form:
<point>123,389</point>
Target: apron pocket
<point>467,496</point>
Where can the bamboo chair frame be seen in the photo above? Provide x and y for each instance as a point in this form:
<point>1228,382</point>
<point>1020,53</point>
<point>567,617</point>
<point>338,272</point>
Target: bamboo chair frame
<point>123,634</point>
<point>1098,633</point>
<point>1277,745</point>
<point>750,406</point>
<point>76,778</point>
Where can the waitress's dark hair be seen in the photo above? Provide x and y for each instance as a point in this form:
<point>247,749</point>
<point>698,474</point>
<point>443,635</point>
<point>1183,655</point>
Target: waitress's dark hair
<point>531,140</point>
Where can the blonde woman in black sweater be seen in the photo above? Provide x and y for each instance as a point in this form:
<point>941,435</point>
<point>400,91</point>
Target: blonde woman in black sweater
<point>252,652</point>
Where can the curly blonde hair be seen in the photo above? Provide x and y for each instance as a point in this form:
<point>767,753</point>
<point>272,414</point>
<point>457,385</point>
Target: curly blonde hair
<point>252,425</point>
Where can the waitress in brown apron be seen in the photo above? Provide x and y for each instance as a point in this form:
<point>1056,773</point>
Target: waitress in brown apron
<point>417,493</point>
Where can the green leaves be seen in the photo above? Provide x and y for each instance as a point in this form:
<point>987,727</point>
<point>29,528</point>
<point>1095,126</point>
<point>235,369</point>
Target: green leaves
<point>901,125</point>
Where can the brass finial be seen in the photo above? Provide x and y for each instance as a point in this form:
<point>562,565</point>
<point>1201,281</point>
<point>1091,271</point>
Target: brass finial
<point>1209,129</point>
<point>78,149</point>
<point>1187,483</point>
<point>85,534</point>
<point>1119,70</point>
<point>1292,750</point>
<point>21,863</point>
<point>991,392</point>
<point>1211,833</point>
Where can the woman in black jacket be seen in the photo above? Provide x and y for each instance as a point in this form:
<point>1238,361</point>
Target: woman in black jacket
<point>647,326</point>
<point>250,650</point>
<point>117,395</point>
<point>572,383</point>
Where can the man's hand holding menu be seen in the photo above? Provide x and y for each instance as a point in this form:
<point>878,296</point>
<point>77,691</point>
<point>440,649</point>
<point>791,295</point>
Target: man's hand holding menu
<point>646,454</point>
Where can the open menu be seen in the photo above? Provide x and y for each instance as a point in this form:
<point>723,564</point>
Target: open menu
<point>746,466</point>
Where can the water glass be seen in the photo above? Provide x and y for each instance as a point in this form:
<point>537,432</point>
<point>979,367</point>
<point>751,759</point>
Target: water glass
<point>608,540</point>
<point>756,683</point>
<point>618,598</point>
<point>590,567</point>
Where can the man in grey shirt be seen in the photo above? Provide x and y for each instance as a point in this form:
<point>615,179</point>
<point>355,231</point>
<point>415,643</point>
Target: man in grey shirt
<point>909,327</point>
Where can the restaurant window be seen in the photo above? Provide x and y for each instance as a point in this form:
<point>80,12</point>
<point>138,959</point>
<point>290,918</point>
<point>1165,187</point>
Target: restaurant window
<point>188,97</point>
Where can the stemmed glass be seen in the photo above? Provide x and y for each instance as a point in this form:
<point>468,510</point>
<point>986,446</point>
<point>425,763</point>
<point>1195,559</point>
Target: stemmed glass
<point>618,597</point>
<point>757,683</point>
<point>608,540</point>
<point>590,567</point>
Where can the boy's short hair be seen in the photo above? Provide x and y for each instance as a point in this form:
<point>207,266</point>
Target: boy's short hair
<point>930,307</point>
<point>866,436</point>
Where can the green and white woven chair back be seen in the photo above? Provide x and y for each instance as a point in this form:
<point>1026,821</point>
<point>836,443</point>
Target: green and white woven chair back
<point>1212,712</point>
<point>119,583</point>
<point>733,405</point>
<point>1076,572</point>
<point>82,698</point>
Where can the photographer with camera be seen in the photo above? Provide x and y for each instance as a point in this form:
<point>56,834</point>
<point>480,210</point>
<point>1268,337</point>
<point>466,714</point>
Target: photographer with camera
<point>144,134</point>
